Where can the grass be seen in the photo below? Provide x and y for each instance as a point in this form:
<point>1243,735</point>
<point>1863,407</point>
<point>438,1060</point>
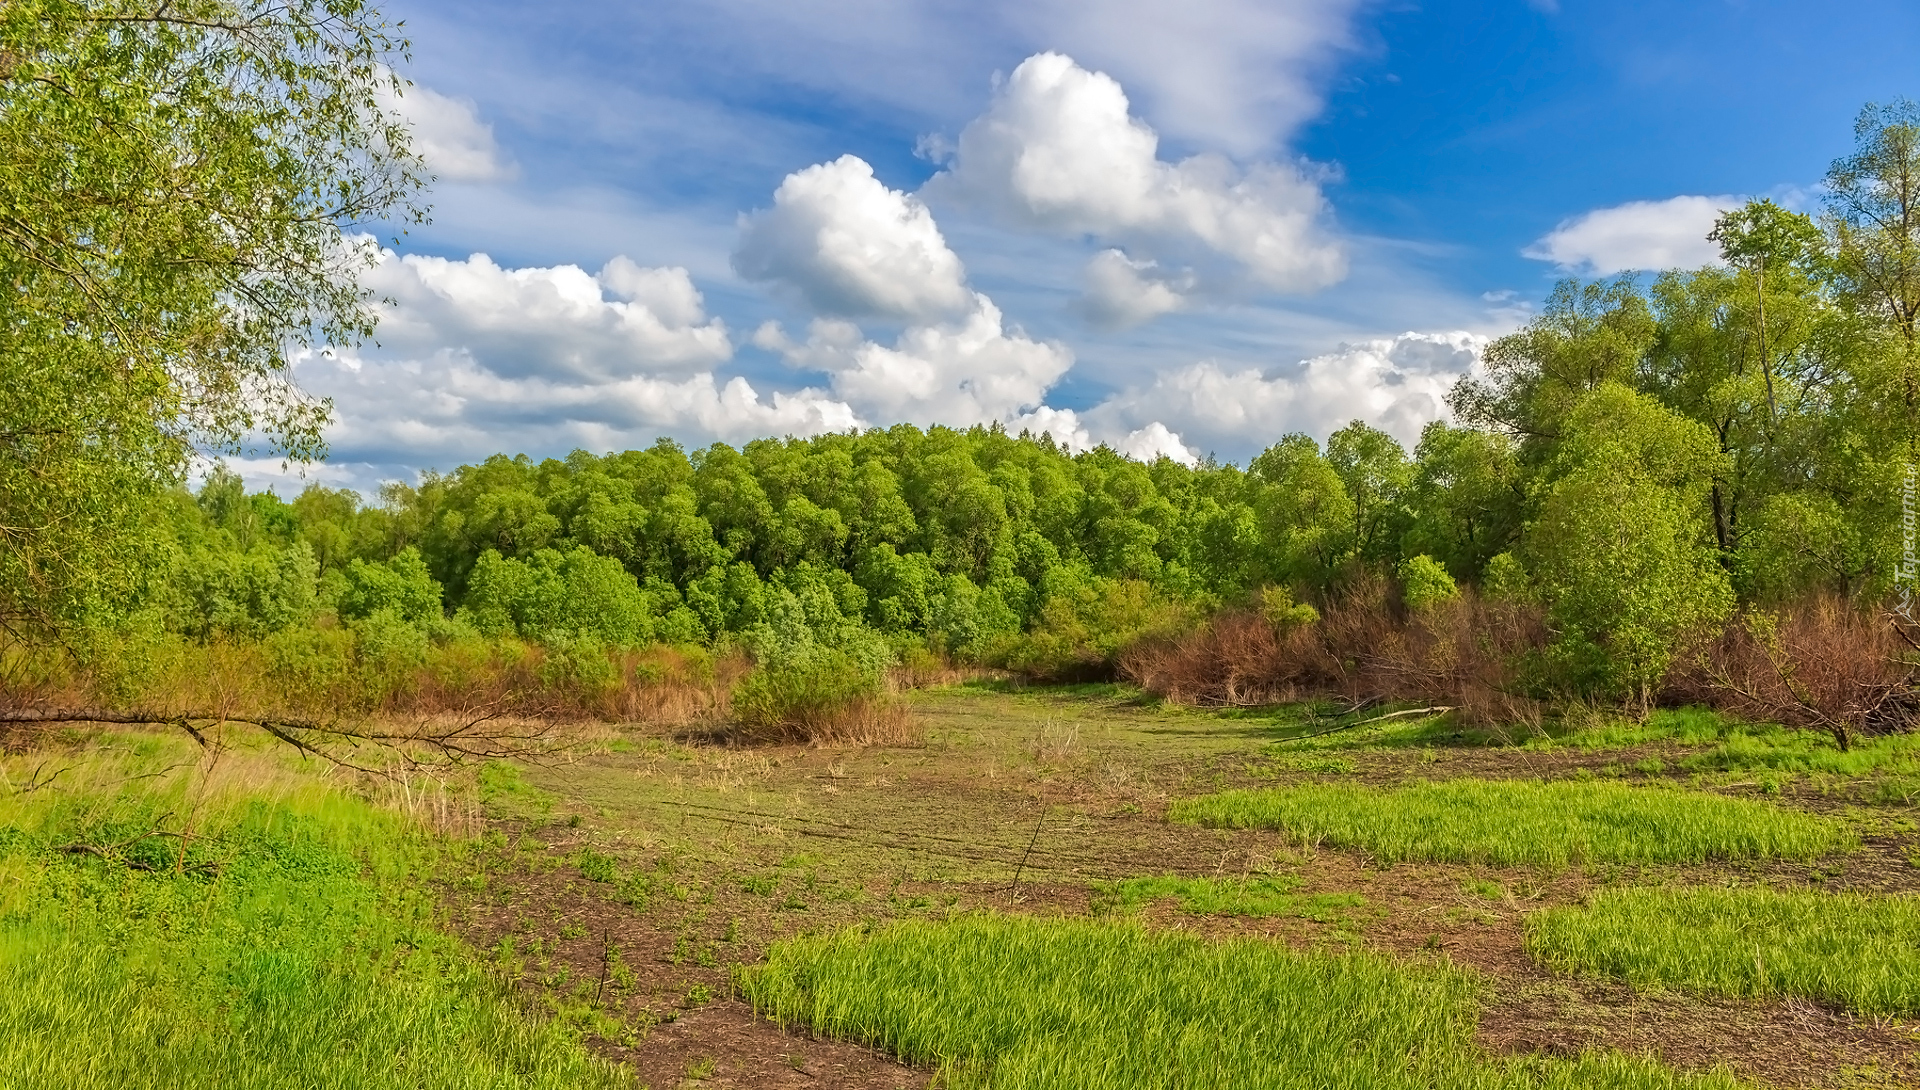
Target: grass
<point>1850,950</point>
<point>288,942</point>
<point>1014,1003</point>
<point>1257,895</point>
<point>1511,822</point>
<point>1728,744</point>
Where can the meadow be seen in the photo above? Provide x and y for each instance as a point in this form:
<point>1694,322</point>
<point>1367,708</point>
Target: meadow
<point>1077,886</point>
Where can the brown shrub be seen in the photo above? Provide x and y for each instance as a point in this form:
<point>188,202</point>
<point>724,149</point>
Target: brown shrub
<point>1821,664</point>
<point>880,720</point>
<point>1465,653</point>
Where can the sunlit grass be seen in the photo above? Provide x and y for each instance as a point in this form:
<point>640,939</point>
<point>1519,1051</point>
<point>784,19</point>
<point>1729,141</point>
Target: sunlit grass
<point>289,943</point>
<point>1735,745</point>
<point>1510,822</point>
<point>1850,950</point>
<point>1023,1004</point>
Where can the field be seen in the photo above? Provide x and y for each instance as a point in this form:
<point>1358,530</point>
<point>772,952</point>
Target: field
<point>1079,886</point>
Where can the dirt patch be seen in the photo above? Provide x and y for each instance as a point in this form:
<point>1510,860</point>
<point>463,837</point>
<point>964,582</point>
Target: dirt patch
<point>1022,804</point>
<point>725,1045</point>
<point>1785,1044</point>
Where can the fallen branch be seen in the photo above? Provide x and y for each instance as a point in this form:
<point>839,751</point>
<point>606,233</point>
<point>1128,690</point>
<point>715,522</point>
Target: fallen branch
<point>1438,709</point>
<point>468,737</point>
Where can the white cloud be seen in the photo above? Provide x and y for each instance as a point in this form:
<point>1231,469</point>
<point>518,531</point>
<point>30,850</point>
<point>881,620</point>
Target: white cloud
<point>1121,292</point>
<point>1232,74</point>
<point>1062,424</point>
<point>447,408</point>
<point>449,135</point>
<point>850,246</point>
<point>473,359</point>
<point>1058,151</point>
<point>1637,235</point>
<point>962,372</point>
<point>1397,384</point>
<point>550,322</point>
<point>1154,442</point>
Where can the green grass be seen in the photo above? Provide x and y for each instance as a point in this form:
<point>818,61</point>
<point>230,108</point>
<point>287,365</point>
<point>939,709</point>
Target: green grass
<point>1254,895</point>
<point>1512,822</point>
<point>1851,950</point>
<point>1731,745</point>
<point>295,945</point>
<point>1015,1003</point>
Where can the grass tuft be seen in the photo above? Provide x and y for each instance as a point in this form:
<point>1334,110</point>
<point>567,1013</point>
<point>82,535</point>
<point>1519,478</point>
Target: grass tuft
<point>1851,950</point>
<point>1022,1004</point>
<point>1512,822</point>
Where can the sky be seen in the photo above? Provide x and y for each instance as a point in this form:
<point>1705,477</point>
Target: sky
<point>1176,229</point>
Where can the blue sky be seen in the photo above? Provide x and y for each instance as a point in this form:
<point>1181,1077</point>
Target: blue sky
<point>1176,229</point>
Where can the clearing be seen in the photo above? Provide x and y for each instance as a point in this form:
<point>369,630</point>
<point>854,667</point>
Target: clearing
<point>654,881</point>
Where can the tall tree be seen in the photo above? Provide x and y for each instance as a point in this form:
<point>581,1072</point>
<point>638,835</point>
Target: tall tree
<point>175,179</point>
<point>1873,207</point>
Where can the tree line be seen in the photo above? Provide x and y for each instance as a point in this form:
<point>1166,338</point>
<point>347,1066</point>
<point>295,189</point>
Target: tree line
<point>1645,460</point>
<point>1640,461</point>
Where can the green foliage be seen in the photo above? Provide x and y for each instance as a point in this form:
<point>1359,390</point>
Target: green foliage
<point>1506,579</point>
<point>1619,544</point>
<point>172,194</point>
<point>401,585</point>
<point>1014,1003</point>
<point>247,594</point>
<point>1859,951</point>
<point>1424,584</point>
<point>1513,822</point>
<point>1283,613</point>
<point>556,593</point>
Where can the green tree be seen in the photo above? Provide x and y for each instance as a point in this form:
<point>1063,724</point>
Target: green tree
<point>1620,549</point>
<point>175,179</point>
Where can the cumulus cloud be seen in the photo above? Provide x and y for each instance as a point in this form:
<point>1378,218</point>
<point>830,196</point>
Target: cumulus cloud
<point>1397,384</point>
<point>1059,151</point>
<point>1121,292</point>
<point>1232,74</point>
<point>1636,235</point>
<point>1154,442</point>
<point>551,322</point>
<point>449,135</point>
<point>968,371</point>
<point>473,359</point>
<point>850,246</point>
<point>1062,424</point>
<point>449,407</point>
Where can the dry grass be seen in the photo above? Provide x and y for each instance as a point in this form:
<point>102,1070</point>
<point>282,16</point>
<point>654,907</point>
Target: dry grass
<point>881,720</point>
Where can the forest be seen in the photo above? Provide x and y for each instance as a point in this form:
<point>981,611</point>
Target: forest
<point>1645,472</point>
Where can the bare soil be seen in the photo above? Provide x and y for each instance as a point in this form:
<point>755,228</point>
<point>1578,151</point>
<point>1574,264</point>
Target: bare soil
<point>1023,803</point>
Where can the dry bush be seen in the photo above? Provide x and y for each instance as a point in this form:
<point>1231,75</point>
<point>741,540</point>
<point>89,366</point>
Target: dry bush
<point>1465,653</point>
<point>920,668</point>
<point>878,720</point>
<point>660,685</point>
<point>314,689</point>
<point>1822,664</point>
